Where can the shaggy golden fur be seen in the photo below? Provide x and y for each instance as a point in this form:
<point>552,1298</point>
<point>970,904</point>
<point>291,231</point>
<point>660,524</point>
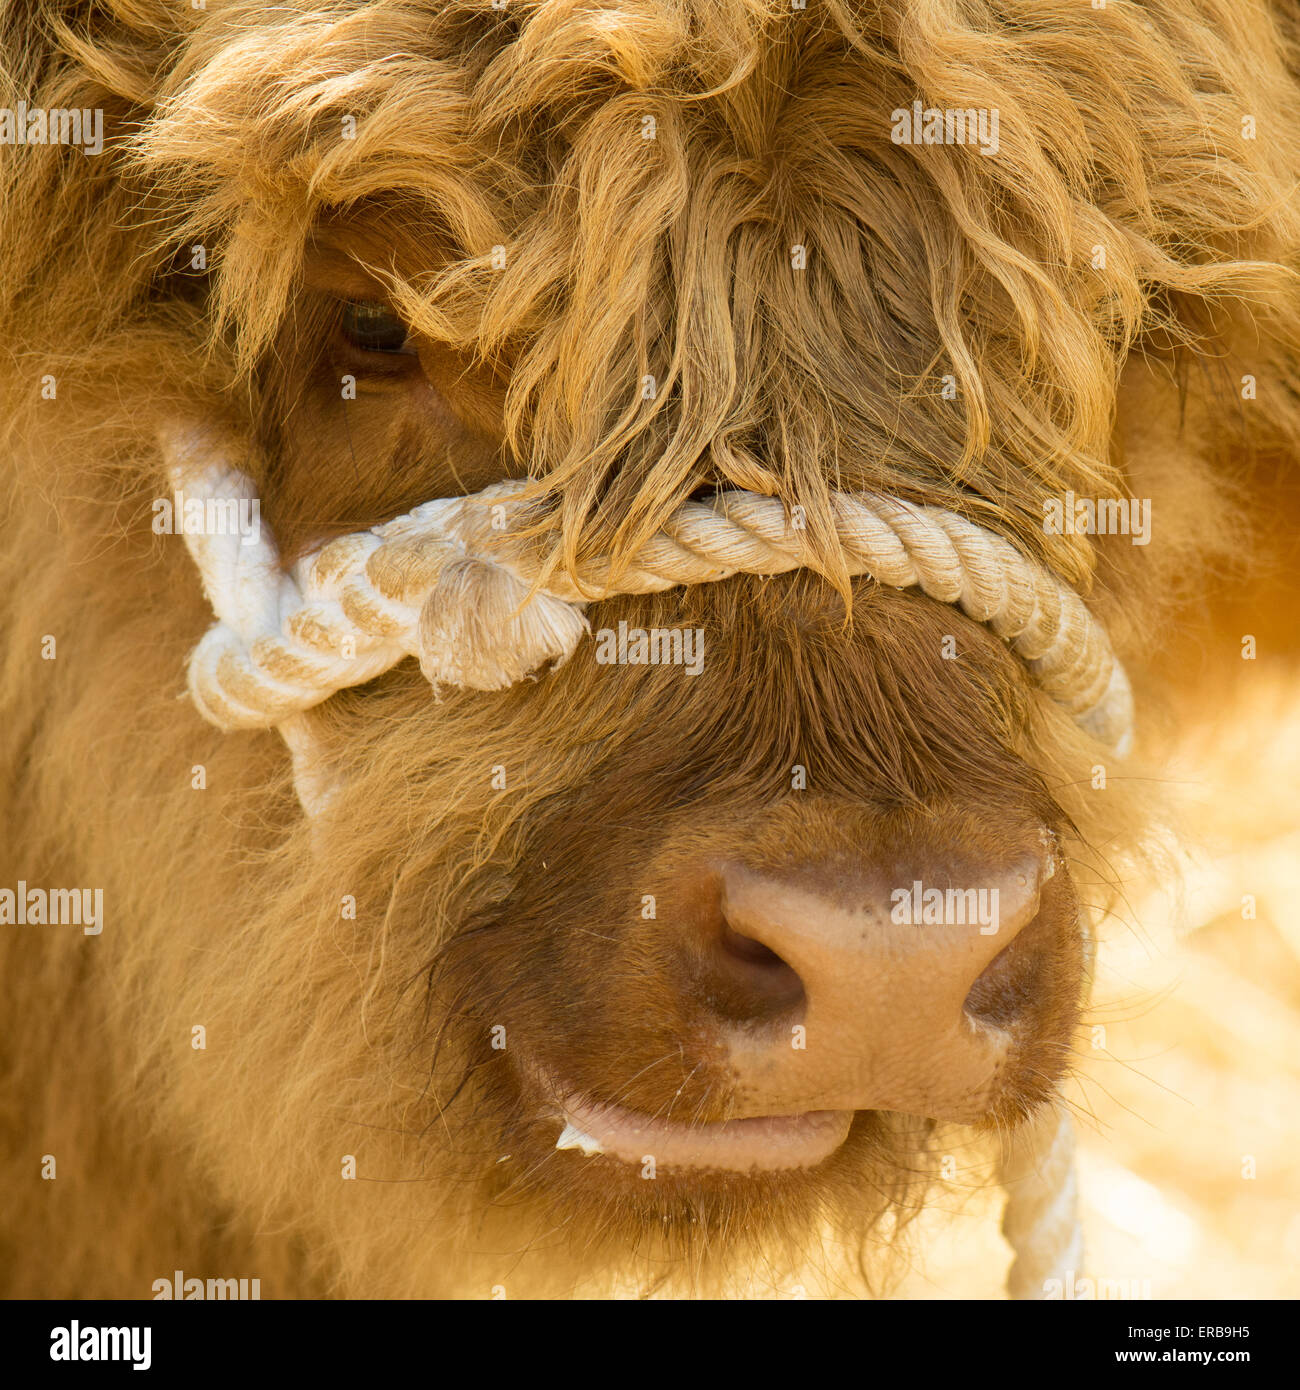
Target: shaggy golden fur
<point>624,257</point>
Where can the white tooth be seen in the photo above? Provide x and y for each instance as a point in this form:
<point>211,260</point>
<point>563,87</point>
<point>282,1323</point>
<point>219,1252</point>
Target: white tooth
<point>1049,842</point>
<point>574,1138</point>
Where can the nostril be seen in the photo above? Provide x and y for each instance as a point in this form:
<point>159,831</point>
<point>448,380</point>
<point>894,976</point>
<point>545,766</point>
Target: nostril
<point>749,982</point>
<point>746,948</point>
<point>1014,980</point>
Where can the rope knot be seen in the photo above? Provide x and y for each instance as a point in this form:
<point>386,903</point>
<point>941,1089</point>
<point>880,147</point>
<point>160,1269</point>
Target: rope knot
<point>483,627</point>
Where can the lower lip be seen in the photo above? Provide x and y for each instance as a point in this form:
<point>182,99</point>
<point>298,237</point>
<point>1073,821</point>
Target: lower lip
<point>763,1144</point>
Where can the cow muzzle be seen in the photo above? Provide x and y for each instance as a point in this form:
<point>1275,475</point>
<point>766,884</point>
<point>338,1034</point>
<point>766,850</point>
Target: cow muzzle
<point>882,992</point>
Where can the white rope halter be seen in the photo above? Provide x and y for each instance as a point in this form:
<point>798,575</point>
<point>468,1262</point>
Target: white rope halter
<point>451,584</point>
<point>1041,1219</point>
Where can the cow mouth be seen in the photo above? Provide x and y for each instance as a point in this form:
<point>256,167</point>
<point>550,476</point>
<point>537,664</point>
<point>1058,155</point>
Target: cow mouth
<point>757,1144</point>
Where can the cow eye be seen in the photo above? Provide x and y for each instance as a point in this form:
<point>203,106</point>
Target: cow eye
<point>373,327</point>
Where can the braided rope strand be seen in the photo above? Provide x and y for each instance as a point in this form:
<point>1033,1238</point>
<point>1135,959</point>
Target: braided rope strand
<point>451,584</point>
<point>1041,1219</point>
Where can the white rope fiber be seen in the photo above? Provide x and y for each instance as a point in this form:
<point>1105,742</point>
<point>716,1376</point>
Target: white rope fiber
<point>1041,1219</point>
<point>450,584</point>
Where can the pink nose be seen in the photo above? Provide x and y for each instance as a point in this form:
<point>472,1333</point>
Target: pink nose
<point>869,994</point>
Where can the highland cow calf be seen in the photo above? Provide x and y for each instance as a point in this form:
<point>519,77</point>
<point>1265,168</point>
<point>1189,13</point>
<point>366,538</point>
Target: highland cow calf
<point>663,538</point>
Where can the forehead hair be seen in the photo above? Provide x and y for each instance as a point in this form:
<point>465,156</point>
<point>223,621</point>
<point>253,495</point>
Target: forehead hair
<point>606,193</point>
<point>596,196</point>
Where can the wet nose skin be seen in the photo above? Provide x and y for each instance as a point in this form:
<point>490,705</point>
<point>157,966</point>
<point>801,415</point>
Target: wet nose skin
<point>884,1027</point>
